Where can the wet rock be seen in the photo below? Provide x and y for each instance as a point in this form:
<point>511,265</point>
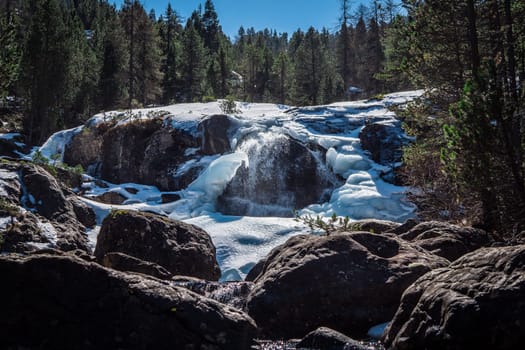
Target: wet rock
<point>475,303</point>
<point>324,338</point>
<point>348,282</point>
<point>447,240</point>
<point>274,183</point>
<point>215,134</point>
<point>65,302</point>
<point>180,248</point>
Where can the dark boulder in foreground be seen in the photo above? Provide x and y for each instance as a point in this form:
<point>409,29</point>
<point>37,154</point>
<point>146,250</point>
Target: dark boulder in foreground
<point>348,282</point>
<point>447,240</point>
<point>478,302</point>
<point>180,248</point>
<point>328,339</point>
<point>64,302</point>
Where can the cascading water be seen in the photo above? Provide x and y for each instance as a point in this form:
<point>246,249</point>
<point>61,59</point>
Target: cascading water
<point>281,175</point>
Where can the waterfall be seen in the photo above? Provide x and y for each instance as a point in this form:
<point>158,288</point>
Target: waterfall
<point>281,175</point>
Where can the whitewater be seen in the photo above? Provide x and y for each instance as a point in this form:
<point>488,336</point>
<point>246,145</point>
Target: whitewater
<point>356,186</point>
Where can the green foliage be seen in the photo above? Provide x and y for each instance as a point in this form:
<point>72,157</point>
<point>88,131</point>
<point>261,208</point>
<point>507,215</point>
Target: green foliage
<point>10,53</point>
<point>229,106</point>
<point>327,226</point>
<point>8,209</point>
<point>117,212</point>
<point>39,158</point>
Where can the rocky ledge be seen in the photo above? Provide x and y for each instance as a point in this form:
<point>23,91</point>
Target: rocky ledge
<point>62,301</point>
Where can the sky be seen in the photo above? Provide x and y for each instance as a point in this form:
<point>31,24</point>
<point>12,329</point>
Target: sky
<point>281,15</point>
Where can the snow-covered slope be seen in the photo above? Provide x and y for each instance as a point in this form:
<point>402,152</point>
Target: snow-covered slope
<point>242,240</point>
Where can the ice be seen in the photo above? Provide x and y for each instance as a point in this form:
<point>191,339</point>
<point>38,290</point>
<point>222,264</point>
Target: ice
<point>56,143</point>
<point>212,182</point>
<point>9,136</point>
<point>377,332</point>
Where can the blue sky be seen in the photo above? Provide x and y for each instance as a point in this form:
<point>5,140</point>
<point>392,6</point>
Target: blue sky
<point>281,15</point>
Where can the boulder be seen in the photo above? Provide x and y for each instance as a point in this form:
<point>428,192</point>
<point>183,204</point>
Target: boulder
<point>42,212</point>
<point>478,302</point>
<point>180,248</point>
<point>62,301</point>
<point>324,338</point>
<point>375,226</point>
<point>384,142</point>
<point>110,197</point>
<point>447,240</point>
<point>46,196</point>
<point>123,262</point>
<point>348,282</point>
<point>283,175</point>
<point>215,134</point>
<point>85,148</point>
<point>85,214</point>
<point>140,151</point>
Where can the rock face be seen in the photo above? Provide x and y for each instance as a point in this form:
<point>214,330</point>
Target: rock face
<point>384,142</point>
<point>447,240</point>
<point>144,151</point>
<point>478,302</point>
<point>123,262</point>
<point>147,151</point>
<point>55,217</point>
<point>274,182</point>
<point>215,138</point>
<point>348,282</point>
<point>328,339</point>
<point>58,302</point>
<point>180,248</point>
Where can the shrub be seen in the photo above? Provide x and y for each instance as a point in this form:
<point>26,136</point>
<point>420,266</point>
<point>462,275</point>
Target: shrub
<point>229,106</point>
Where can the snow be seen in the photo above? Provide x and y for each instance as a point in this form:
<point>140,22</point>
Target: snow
<point>243,241</point>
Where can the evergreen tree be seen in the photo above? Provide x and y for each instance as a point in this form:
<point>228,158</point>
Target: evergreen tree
<point>144,74</point>
<point>193,68</point>
<point>112,56</point>
<point>11,51</point>
<point>170,32</point>
<point>211,27</point>
<point>308,69</point>
<point>50,69</point>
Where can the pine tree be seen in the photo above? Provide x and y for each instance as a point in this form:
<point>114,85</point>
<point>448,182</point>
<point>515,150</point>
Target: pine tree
<point>193,68</point>
<point>143,72</point>
<point>112,57</point>
<point>10,53</point>
<point>170,32</point>
<point>308,69</point>
<point>49,70</point>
